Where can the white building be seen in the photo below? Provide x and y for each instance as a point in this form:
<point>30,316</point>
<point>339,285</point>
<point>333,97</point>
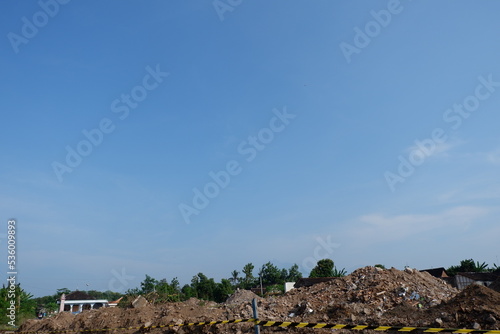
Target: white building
<point>78,301</point>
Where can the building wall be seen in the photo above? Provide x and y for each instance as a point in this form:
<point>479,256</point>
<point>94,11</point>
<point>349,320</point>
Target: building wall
<point>461,282</point>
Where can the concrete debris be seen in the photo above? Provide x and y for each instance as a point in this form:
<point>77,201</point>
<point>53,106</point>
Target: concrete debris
<point>140,301</point>
<point>368,296</point>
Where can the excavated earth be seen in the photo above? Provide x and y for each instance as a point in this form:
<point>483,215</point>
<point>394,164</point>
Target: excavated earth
<point>368,296</point>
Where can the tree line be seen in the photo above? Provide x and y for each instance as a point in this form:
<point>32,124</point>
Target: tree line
<point>469,266</point>
<point>202,287</point>
<point>269,276</point>
<point>23,303</point>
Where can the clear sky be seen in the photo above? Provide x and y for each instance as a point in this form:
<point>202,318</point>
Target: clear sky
<point>174,137</point>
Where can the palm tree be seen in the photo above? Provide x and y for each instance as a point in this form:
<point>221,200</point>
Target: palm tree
<point>234,277</point>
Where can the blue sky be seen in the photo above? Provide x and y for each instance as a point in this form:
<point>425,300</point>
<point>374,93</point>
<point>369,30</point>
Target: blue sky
<point>366,132</point>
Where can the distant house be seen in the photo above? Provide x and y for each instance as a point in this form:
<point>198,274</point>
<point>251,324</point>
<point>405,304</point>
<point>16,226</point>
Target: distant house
<point>436,272</point>
<point>462,280</point>
<point>289,286</point>
<point>312,280</point>
<point>79,301</point>
<point>115,302</point>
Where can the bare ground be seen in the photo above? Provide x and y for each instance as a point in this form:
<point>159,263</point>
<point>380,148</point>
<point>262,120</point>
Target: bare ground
<point>369,296</point>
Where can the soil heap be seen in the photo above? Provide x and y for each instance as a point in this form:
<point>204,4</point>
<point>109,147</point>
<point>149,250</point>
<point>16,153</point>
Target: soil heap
<point>369,295</point>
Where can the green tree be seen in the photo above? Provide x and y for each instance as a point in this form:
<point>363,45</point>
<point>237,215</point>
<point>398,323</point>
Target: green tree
<point>4,305</point>
<point>326,268</point>
<point>66,291</point>
<point>293,274</point>
<point>234,277</point>
<point>133,292</point>
<point>108,295</point>
<point>223,290</point>
<point>283,274</point>
<point>204,286</point>
<point>339,272</point>
<point>481,267</point>
<point>175,284</point>
<point>468,266</point>
<point>270,274</point>
<point>94,294</point>
<point>188,291</point>
<point>166,292</point>
<point>162,287</point>
<point>249,279</point>
<point>111,295</point>
<point>148,285</point>
<point>47,303</point>
<point>24,305</point>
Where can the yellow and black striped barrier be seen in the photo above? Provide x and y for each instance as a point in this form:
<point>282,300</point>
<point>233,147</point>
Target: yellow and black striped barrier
<point>375,328</point>
<point>286,324</point>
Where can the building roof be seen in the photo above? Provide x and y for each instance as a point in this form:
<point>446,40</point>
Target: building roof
<point>436,272</point>
<point>115,302</point>
<point>78,295</point>
<point>312,280</point>
<point>480,276</point>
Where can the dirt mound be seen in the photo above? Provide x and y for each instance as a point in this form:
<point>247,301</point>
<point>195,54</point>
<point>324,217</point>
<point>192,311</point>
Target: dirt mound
<point>367,296</point>
<point>495,285</point>
<point>59,322</point>
<point>475,307</point>
<point>149,315</point>
<point>475,304</point>
<point>242,296</point>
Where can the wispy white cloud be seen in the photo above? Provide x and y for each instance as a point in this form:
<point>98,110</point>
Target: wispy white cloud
<point>34,179</point>
<point>429,148</point>
<point>493,157</point>
<point>471,191</point>
<point>484,158</point>
<point>382,227</point>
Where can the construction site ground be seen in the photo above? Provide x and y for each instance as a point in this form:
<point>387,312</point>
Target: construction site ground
<point>368,296</point>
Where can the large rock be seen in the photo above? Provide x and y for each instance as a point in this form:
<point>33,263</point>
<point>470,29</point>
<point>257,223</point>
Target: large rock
<point>139,302</point>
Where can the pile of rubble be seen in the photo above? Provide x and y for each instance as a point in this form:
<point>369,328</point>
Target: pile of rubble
<point>369,295</point>
<point>495,285</point>
<point>242,296</point>
<point>365,295</point>
<point>475,307</point>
